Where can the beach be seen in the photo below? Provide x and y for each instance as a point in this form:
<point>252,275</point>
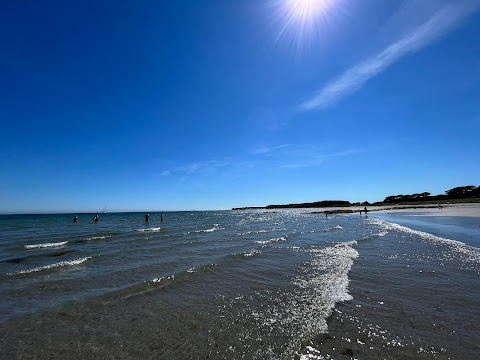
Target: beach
<point>283,284</point>
<point>463,210</point>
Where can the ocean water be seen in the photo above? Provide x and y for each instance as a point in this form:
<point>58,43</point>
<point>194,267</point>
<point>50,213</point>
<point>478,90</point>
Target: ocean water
<point>285,284</point>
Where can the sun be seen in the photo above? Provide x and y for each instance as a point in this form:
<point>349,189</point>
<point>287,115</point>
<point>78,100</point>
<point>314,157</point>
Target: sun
<point>302,20</point>
<point>307,10</point>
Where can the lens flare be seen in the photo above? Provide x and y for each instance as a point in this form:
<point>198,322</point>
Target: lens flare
<point>301,20</point>
<point>307,10</point>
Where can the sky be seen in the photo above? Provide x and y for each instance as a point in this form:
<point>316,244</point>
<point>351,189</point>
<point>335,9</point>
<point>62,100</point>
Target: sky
<point>198,105</point>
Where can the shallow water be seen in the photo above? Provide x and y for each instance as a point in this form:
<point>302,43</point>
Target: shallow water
<point>239,284</point>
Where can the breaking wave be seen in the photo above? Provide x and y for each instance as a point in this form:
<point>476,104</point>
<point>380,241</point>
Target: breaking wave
<point>150,229</point>
<point>46,245</point>
<point>98,237</point>
<point>270,241</point>
<point>52,266</point>
<point>215,228</point>
<point>472,253</point>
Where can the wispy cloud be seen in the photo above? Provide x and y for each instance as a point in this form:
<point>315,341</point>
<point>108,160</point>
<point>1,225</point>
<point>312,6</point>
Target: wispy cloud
<point>266,150</point>
<point>311,156</point>
<point>438,24</point>
<point>206,166</point>
<point>273,158</point>
<point>297,156</point>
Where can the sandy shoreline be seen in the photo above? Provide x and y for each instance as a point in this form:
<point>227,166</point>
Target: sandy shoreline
<point>469,210</point>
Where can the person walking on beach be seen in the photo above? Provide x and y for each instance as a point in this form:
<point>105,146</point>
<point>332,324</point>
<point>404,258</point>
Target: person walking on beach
<point>147,216</point>
<point>95,218</point>
<point>365,209</point>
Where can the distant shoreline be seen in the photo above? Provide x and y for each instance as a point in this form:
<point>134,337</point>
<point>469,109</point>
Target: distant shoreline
<point>456,209</point>
<point>346,204</point>
<point>329,206</point>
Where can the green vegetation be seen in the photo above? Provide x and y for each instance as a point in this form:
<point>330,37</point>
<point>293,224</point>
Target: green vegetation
<point>468,193</point>
<point>461,194</point>
<point>317,204</point>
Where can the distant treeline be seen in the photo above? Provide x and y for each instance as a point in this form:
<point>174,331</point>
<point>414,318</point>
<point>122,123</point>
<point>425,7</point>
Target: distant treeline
<point>316,204</point>
<point>461,192</point>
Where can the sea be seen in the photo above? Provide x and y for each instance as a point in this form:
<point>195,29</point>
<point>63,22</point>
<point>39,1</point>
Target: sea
<point>243,284</point>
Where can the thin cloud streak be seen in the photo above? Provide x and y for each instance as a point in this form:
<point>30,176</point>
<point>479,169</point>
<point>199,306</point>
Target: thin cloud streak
<point>314,157</point>
<point>266,150</point>
<point>280,157</point>
<point>209,165</point>
<point>438,24</point>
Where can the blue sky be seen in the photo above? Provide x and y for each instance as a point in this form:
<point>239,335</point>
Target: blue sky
<point>157,105</point>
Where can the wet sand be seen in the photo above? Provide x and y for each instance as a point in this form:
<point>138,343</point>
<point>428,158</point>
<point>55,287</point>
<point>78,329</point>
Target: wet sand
<point>469,210</point>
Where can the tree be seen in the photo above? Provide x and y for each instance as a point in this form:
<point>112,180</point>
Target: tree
<point>390,199</point>
<point>462,192</point>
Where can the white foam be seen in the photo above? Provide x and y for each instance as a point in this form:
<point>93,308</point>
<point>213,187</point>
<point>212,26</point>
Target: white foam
<point>261,231</point>
<point>334,228</point>
<point>150,229</point>
<point>209,230</point>
<point>472,253</point>
<point>251,253</point>
<point>252,232</point>
<point>348,243</point>
<point>310,353</point>
<point>270,241</point>
<point>98,237</point>
<point>324,283</point>
<point>215,228</point>
<point>46,245</point>
<point>327,282</point>
<point>160,279</point>
<point>51,266</point>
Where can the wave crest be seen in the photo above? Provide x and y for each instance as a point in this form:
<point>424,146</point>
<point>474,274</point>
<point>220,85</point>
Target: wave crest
<point>472,253</point>
<point>150,229</point>
<point>46,245</point>
<point>270,241</point>
<point>51,266</point>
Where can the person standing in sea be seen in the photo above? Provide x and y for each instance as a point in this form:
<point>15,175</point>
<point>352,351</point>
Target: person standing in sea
<point>147,216</point>
<point>95,218</point>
